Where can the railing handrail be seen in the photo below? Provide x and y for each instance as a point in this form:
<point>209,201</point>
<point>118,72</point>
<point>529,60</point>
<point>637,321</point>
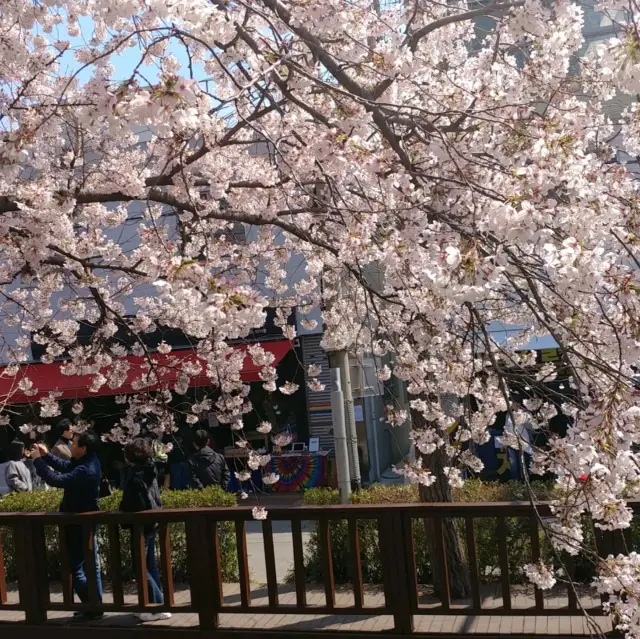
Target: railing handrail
<point>287,512</point>
<point>331,511</point>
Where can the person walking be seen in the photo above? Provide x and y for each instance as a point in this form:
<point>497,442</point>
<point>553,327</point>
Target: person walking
<point>208,468</point>
<point>141,492</point>
<point>62,447</point>
<point>16,475</point>
<point>80,481</point>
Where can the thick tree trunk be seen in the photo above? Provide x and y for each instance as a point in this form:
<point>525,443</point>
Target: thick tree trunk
<point>440,491</point>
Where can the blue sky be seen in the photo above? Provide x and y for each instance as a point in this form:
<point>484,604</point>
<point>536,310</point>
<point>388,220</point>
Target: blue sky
<point>124,64</point>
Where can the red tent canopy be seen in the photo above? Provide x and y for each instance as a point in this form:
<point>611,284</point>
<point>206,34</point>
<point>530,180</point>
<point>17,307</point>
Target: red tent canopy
<point>48,378</point>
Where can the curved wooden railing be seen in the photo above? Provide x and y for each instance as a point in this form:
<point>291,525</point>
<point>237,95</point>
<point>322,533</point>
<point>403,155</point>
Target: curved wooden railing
<point>395,526</point>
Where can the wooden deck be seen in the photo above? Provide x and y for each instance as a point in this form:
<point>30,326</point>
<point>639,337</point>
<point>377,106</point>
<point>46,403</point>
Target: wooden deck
<point>539,624</point>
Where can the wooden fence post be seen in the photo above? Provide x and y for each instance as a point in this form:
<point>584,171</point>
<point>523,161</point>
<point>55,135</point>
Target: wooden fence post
<point>203,570</point>
<point>32,570</point>
<point>3,579</point>
<point>398,581</point>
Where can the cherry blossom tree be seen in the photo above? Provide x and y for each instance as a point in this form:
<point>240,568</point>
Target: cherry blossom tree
<point>435,176</point>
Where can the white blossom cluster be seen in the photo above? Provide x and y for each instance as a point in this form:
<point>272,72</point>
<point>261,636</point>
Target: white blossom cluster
<point>416,179</point>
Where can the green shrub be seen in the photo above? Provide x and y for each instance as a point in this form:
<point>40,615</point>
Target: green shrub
<point>477,491</point>
<point>49,501</point>
<point>474,491</point>
<point>370,558</point>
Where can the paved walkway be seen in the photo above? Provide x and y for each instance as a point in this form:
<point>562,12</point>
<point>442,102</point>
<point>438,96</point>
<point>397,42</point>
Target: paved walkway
<point>547,623</point>
<point>282,546</point>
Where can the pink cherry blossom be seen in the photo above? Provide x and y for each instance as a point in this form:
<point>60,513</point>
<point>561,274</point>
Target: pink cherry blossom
<point>398,177</point>
<point>282,439</point>
<point>259,513</point>
<point>288,388</point>
<point>313,370</point>
<point>315,385</point>
<point>540,575</point>
<point>264,428</point>
<point>270,478</point>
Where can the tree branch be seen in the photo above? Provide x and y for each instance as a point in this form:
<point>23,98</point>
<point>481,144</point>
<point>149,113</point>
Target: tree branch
<point>497,6</point>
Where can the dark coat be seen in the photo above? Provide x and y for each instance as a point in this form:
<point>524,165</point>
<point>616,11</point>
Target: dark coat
<point>141,492</point>
<point>79,478</point>
<point>209,468</point>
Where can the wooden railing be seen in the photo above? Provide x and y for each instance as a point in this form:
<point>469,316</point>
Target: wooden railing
<point>395,526</point>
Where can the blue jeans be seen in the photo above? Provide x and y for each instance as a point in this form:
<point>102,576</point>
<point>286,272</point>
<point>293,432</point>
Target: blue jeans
<point>153,574</point>
<point>75,551</point>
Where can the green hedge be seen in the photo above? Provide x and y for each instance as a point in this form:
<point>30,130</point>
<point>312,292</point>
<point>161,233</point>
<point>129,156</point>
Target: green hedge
<point>49,501</point>
<point>474,491</point>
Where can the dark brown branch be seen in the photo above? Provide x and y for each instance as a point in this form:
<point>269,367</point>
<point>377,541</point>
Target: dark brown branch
<point>496,6</point>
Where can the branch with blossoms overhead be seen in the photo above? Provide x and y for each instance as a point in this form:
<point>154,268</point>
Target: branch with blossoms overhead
<point>433,176</point>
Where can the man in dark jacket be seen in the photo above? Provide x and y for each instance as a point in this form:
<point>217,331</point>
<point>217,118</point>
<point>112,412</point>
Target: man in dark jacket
<point>208,468</point>
<point>80,480</point>
<point>141,492</point>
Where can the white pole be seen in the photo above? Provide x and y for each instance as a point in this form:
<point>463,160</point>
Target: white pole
<point>352,434</point>
<point>340,436</point>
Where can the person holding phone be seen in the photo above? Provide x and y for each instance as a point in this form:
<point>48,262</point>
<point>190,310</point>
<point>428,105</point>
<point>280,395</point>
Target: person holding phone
<point>80,480</point>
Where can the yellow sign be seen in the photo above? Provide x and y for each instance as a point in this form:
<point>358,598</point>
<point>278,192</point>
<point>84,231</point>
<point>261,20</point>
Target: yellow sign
<point>505,462</point>
<point>550,354</point>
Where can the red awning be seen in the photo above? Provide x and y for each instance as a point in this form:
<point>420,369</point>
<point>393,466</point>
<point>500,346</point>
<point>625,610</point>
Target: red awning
<point>48,378</point>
